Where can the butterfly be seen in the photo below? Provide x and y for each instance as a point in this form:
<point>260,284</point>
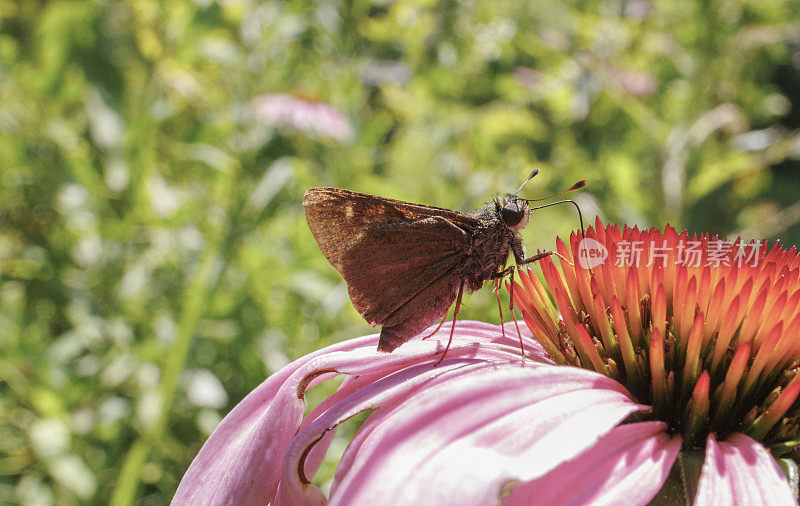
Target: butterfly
<point>406,264</point>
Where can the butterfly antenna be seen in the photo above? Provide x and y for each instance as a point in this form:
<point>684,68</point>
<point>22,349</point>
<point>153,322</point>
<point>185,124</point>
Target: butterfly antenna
<point>580,184</point>
<point>580,216</point>
<point>533,173</point>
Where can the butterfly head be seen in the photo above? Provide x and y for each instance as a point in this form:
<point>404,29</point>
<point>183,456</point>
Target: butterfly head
<point>514,212</point>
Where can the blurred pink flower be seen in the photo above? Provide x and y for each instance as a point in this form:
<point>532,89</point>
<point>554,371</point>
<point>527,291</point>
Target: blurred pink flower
<point>305,113</point>
<point>640,84</point>
<point>528,77</point>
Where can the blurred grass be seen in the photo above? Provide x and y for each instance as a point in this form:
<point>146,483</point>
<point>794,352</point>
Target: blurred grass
<point>155,264</point>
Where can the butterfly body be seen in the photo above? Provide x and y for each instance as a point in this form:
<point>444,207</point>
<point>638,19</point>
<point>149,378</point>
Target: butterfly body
<point>406,264</point>
<point>492,242</point>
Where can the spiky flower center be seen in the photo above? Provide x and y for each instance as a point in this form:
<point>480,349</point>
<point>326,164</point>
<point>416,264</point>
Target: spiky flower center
<point>706,331</point>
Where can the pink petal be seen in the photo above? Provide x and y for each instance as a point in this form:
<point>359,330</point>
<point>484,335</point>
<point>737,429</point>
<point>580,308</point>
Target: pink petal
<point>465,434</point>
<point>364,394</point>
<point>317,454</point>
<point>629,465</point>
<point>740,470</point>
<point>233,465</point>
<point>242,460</point>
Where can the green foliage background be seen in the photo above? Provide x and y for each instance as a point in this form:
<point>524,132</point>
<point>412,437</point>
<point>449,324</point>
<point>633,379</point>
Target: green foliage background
<point>155,264</point>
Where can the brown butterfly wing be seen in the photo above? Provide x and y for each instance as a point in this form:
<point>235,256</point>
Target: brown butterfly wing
<point>337,217</point>
<point>395,263</point>
<point>420,311</point>
<point>400,260</point>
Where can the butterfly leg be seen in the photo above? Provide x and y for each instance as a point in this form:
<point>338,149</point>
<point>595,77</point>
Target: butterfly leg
<point>522,261</point>
<point>519,257</point>
<point>537,257</point>
<point>455,316</point>
<point>444,317</point>
<point>514,315</point>
<point>500,308</point>
<point>499,276</point>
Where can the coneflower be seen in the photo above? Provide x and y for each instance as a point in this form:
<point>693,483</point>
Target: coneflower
<point>704,330</point>
<point>684,349</point>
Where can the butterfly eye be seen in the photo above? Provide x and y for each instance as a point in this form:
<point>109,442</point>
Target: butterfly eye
<point>511,214</point>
